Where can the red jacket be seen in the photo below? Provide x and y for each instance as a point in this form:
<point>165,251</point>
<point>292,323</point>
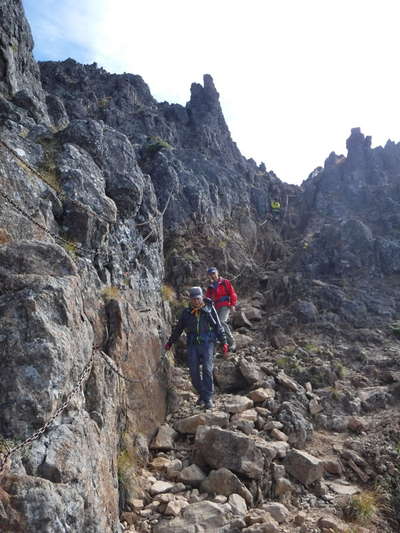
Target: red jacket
<point>223,294</point>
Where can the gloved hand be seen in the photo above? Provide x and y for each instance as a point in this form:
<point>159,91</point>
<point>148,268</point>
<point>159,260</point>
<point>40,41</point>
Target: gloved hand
<point>225,348</point>
<point>167,346</point>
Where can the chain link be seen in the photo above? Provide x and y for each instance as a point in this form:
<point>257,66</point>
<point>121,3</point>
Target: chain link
<point>11,451</point>
<point>83,377</point>
<point>135,381</point>
<point>4,457</point>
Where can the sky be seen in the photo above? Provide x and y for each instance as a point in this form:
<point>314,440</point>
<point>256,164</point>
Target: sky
<point>294,76</point>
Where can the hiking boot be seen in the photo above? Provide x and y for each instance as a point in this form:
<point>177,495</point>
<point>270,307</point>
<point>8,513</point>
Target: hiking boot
<point>208,404</point>
<point>200,401</point>
<point>232,348</point>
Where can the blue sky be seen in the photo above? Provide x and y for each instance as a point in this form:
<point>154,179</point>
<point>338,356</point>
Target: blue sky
<point>58,29</point>
<point>294,76</point>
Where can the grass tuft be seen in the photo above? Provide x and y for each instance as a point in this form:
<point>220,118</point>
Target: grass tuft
<point>111,293</point>
<point>361,507</point>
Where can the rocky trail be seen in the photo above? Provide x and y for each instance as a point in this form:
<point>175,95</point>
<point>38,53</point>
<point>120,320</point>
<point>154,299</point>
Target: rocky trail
<point>277,453</point>
<point>111,206</point>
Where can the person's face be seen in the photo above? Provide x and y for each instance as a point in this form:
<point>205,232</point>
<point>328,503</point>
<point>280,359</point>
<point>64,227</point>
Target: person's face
<point>213,276</point>
<point>196,302</point>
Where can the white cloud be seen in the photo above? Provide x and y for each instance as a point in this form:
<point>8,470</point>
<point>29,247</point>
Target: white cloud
<point>294,76</point>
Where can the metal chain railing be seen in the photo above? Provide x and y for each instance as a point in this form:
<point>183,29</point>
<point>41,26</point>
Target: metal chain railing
<point>82,378</point>
<point>135,381</point>
<point>4,457</point>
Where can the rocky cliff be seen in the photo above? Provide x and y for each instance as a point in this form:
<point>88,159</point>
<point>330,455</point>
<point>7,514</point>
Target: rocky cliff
<point>111,204</point>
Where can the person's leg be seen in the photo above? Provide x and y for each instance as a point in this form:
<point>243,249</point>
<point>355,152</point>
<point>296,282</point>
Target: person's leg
<point>193,361</point>
<point>223,313</point>
<point>207,362</point>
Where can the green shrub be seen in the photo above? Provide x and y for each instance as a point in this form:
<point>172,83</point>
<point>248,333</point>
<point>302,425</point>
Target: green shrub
<point>70,247</point>
<point>361,507</point>
<point>156,144</point>
<point>125,464</point>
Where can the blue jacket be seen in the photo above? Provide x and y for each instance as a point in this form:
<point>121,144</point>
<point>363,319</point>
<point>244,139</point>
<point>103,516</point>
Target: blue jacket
<point>204,326</point>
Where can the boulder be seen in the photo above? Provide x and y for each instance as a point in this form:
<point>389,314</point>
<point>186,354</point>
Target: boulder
<point>250,415</point>
<point>305,311</point>
<point>374,398</point>
<point>220,448</point>
<point>225,482</point>
<point>198,517</point>
<point>192,475</point>
<point>243,340</point>
<point>253,314</point>
<point>212,418</point>
<point>277,510</point>
<point>251,371</point>
<point>269,525</point>
<point>164,440</point>
<point>160,486</point>
<point>288,382</point>
<point>278,448</point>
<point>174,507</point>
<point>238,504</point>
<point>261,394</point>
<point>279,435</point>
<point>228,377</point>
<point>240,320</point>
<point>304,467</point>
<point>160,463</point>
<point>237,404</point>
<point>282,486</point>
<point>332,465</point>
<point>328,523</point>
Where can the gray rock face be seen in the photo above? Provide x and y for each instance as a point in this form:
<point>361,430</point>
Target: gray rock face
<point>350,212</point>
<point>220,448</point>
<point>59,506</point>
<point>19,73</point>
<point>56,303</point>
<point>209,182</point>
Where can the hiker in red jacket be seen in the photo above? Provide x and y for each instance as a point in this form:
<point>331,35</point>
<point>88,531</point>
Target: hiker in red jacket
<point>223,295</point>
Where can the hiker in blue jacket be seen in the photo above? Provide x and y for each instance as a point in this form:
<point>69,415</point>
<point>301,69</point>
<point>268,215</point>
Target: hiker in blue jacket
<point>203,328</point>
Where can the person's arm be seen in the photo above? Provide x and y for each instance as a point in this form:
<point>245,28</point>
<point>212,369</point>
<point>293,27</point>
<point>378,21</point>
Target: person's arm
<point>220,330</point>
<point>209,292</point>
<point>232,294</point>
<point>177,330</point>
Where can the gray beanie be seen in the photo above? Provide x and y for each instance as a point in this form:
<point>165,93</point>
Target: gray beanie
<point>196,292</point>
